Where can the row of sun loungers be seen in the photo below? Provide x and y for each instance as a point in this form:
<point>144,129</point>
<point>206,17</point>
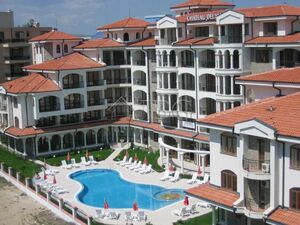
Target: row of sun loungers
<point>187,211</point>
<point>49,186</point>
<point>136,166</point>
<point>83,162</point>
<point>176,177</point>
<point>129,216</point>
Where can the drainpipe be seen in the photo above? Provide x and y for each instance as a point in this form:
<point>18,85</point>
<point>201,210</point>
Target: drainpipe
<point>196,78</point>
<point>297,18</point>
<point>276,88</point>
<point>283,169</point>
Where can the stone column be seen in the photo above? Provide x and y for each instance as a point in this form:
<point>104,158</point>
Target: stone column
<point>232,86</point>
<point>169,81</point>
<point>231,61</point>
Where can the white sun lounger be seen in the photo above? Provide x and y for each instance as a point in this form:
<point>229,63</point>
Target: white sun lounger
<point>84,162</point>
<point>65,165</point>
<point>141,168</point>
<point>99,214</point>
<point>147,170</point>
<point>203,205</point>
<point>123,161</point>
<point>113,215</point>
<point>127,163</point>
<point>138,165</point>
<point>50,171</point>
<point>128,216</point>
<point>92,160</point>
<point>74,164</point>
<point>141,216</point>
<point>166,176</point>
<point>182,212</point>
<point>194,179</point>
<point>205,179</point>
<point>176,177</point>
<point>193,209</point>
<point>132,164</point>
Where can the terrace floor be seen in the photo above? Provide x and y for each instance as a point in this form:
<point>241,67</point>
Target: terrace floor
<point>162,216</point>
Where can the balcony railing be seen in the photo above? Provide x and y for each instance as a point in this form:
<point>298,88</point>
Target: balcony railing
<point>3,107</point>
<point>289,64</point>
<point>139,82</point>
<point>139,101</point>
<point>14,40</point>
<point>208,64</point>
<point>255,205</point>
<point>99,82</point>
<point>231,39</point>
<point>73,85</point>
<point>166,41</point>
<point>49,108</point>
<point>74,105</point>
<point>17,57</point>
<point>254,165</point>
<point>15,74</point>
<point>95,102</point>
<point>139,62</point>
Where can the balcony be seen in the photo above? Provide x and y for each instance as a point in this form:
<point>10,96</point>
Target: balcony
<point>231,39</point>
<point>49,108</point>
<point>256,166</point>
<point>141,82</point>
<point>15,74</point>
<point>74,105</point>
<point>97,82</point>
<point>17,57</point>
<point>96,102</point>
<point>139,62</point>
<point>139,101</point>
<point>3,107</point>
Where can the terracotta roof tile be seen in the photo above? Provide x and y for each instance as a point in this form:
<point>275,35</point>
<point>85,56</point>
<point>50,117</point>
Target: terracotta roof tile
<point>119,121</point>
<point>280,113</point>
<point>32,83</point>
<point>99,43</point>
<point>191,3</point>
<point>148,42</point>
<point>55,36</point>
<point>200,16</point>
<point>268,11</point>
<point>214,194</point>
<point>72,61</point>
<point>125,23</point>
<point>291,38</point>
<point>285,216</point>
<point>284,75</point>
<point>196,41</point>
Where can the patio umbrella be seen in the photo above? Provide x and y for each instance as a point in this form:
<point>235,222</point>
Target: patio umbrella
<point>199,171</point>
<point>135,206</point>
<point>68,157</point>
<point>145,160</point>
<point>136,157</point>
<point>105,206</point>
<point>186,201</point>
<point>45,176</point>
<point>171,169</point>
<point>54,180</point>
<point>87,153</point>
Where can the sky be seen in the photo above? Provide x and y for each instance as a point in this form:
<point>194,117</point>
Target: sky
<point>84,16</point>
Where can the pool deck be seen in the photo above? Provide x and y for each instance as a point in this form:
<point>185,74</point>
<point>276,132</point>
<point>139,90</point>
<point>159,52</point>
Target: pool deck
<point>163,216</point>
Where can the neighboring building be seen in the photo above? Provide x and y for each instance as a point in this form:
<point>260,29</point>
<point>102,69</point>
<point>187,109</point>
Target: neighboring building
<point>15,51</point>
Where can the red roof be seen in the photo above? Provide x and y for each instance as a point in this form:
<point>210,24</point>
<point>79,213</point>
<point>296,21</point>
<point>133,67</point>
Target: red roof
<point>33,83</point>
<point>195,41</point>
<point>72,61</point>
<point>99,43</point>
<point>191,3</point>
<point>291,38</point>
<point>284,75</point>
<point>280,113</point>
<point>213,194</point>
<point>126,23</point>
<point>55,36</point>
<point>285,216</point>
<point>268,11</point>
<point>149,42</point>
<point>119,121</point>
<point>200,16</point>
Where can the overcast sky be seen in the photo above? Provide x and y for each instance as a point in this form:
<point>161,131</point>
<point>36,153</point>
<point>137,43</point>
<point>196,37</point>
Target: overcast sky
<point>84,16</point>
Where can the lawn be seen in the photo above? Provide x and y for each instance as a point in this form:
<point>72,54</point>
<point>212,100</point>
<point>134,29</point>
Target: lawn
<point>25,167</point>
<point>152,157</point>
<point>99,155</point>
<point>201,220</point>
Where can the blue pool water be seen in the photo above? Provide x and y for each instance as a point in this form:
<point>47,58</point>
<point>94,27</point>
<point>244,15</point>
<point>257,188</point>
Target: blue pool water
<point>100,184</point>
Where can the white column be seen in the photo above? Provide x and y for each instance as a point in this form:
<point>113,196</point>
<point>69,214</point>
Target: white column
<point>224,85</point>
<point>24,147</point>
<point>203,164</point>
<point>141,136</point>
<point>231,61</point>
<point>274,59</point>
<point>223,56</point>
<point>182,162</point>
<point>161,152</point>
<point>49,143</point>
<point>232,86</point>
<point>168,57</point>
<point>214,222</point>
<point>273,187</point>
<point>168,157</point>
<point>241,63</point>
<point>170,104</point>
<point>169,81</point>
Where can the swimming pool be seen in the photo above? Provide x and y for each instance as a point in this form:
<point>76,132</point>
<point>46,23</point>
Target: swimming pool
<point>103,184</point>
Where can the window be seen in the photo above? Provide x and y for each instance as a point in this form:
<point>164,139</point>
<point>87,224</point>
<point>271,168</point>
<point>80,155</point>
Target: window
<point>179,32</point>
<point>247,29</point>
<point>228,144</point>
<point>270,29</point>
<point>92,115</point>
<point>154,77</point>
<point>222,30</point>
<point>93,78</point>
<point>71,81</point>
<point>229,180</point>
<point>58,50</point>
<point>15,99</point>
<point>150,35</point>
<point>262,56</point>
<point>137,36</point>
<point>126,37</point>
<point>295,198</point>
<point>17,125</point>
<point>295,157</point>
<point>162,33</point>
<point>202,32</point>
<point>66,50</point>
<point>116,36</point>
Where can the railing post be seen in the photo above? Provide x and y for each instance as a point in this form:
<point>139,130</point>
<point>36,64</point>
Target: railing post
<point>9,171</point>
<point>37,189</point>
<point>2,167</point>
<point>60,203</point>
<point>26,182</point>
<point>47,195</point>
<point>74,211</point>
<point>18,176</point>
<point>89,220</point>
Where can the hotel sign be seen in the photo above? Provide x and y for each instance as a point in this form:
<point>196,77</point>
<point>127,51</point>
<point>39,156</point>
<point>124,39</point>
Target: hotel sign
<point>202,18</point>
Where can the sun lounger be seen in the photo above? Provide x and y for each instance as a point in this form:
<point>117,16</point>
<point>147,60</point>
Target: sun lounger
<point>166,176</point>
<point>74,164</point>
<point>99,214</point>
<point>128,216</point>
<point>176,177</point>
<point>138,165</point>
<point>203,205</point>
<point>193,209</point>
<point>131,165</point>
<point>182,212</point>
<point>65,165</point>
<point>147,170</point>
<point>123,161</point>
<point>113,215</point>
<point>205,179</point>
<point>127,163</point>
<point>194,179</point>
<point>144,166</point>
<point>141,216</point>
<point>92,160</point>
<point>84,162</point>
<point>50,171</point>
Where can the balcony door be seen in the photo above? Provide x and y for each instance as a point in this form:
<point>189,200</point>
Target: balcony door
<point>261,151</point>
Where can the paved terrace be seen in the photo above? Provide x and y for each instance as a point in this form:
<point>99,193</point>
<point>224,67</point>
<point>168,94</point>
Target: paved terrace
<point>162,216</point>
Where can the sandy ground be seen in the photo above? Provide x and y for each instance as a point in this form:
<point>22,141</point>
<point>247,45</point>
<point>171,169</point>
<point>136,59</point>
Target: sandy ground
<point>17,208</point>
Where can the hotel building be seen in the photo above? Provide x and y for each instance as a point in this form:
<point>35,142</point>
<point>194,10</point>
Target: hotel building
<point>157,84</point>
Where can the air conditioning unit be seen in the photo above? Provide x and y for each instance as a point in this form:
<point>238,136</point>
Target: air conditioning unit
<point>265,167</point>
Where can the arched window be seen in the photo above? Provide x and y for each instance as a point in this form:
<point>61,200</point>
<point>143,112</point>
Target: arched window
<point>73,101</point>
<point>17,125</point>
<point>137,36</point>
<point>71,81</point>
<point>66,49</point>
<point>228,144</point>
<point>295,198</point>
<point>229,180</point>
<point>55,143</point>
<point>295,157</point>
<point>79,139</point>
<point>68,141</point>
<point>43,145</point>
<point>90,137</point>
<point>58,50</point>
<point>126,37</point>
